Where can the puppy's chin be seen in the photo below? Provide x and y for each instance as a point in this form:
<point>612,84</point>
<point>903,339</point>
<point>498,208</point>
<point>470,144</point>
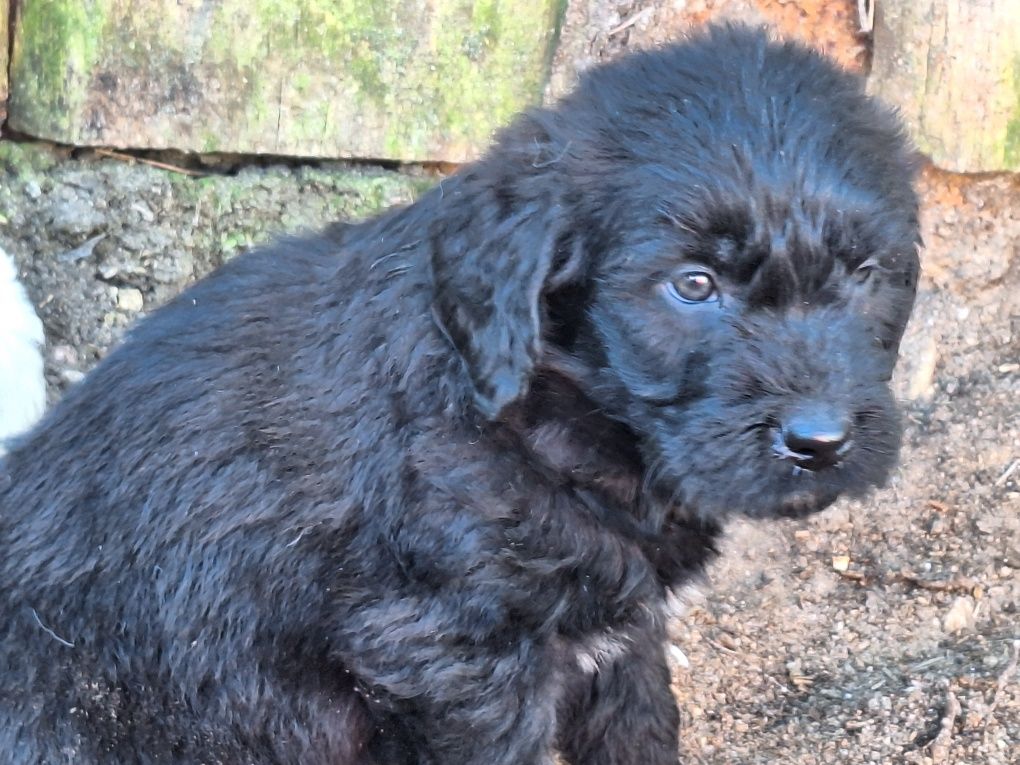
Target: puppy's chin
<point>804,493</point>
<point>742,477</point>
<point>772,500</point>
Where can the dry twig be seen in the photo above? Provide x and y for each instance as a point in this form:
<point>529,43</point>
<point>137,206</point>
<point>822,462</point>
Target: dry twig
<point>629,22</point>
<point>940,746</point>
<point>1005,677</point>
<point>151,162</point>
<point>959,584</point>
<point>855,576</point>
<point>1001,480</point>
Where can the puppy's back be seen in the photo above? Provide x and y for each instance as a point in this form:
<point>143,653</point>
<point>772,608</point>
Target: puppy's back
<point>158,511</point>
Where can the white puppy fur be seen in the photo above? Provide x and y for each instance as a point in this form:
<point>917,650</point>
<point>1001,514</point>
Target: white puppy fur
<point>22,385</point>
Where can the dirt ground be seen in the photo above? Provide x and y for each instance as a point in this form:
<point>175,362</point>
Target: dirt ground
<point>886,631</point>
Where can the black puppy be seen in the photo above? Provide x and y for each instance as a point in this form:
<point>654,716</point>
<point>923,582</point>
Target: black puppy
<point>415,491</point>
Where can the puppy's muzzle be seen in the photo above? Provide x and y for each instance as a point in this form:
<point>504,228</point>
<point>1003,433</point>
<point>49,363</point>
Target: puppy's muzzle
<point>813,436</point>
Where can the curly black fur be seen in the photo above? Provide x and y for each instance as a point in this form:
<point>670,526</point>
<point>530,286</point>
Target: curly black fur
<point>415,491</point>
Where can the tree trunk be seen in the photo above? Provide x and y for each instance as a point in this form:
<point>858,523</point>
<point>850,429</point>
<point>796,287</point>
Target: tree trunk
<point>952,67</point>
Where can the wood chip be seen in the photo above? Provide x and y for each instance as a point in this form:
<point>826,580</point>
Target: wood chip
<point>960,615</point>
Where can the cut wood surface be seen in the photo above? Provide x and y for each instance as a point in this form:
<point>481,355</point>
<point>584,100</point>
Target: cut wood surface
<point>952,67</point>
<point>408,80</point>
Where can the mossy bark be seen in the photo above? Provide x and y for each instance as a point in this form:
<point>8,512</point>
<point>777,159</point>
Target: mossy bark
<point>952,67</point>
<point>409,79</point>
<point>5,10</point>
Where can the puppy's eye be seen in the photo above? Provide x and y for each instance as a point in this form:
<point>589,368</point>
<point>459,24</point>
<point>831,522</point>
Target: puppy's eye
<point>694,287</point>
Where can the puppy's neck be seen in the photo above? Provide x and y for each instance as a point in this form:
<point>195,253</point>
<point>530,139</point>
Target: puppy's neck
<point>599,457</point>
<point>573,439</point>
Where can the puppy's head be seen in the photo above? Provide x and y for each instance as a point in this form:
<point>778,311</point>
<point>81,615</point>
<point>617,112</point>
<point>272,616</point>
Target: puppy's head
<point>718,241</point>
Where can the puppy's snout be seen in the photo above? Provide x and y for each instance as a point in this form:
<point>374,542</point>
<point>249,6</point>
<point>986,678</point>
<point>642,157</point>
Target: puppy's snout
<point>814,436</point>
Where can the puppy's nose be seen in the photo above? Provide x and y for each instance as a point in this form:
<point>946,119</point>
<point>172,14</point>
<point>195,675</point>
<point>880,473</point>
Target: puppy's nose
<point>815,437</point>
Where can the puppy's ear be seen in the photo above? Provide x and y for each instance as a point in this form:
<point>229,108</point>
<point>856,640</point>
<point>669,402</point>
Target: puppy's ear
<point>494,252</point>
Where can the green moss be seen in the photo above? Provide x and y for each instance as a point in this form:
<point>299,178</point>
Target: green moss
<point>302,82</point>
<point>309,77</point>
<point>56,44</point>
<point>4,14</point>
<point>495,81</point>
<point>25,160</point>
<point>209,142</point>
<point>374,81</point>
<point>244,210</point>
<point>328,193</point>
<point>344,37</point>
<point>1011,150</point>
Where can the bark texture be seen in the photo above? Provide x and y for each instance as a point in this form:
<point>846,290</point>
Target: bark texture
<point>952,67</point>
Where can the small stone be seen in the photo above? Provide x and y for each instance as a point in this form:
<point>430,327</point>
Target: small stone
<point>71,376</point>
<point>841,562</point>
<point>75,217</point>
<point>678,656</point>
<point>130,299</point>
<point>143,209</point>
<point>108,270</point>
<point>921,386</point>
<point>64,355</point>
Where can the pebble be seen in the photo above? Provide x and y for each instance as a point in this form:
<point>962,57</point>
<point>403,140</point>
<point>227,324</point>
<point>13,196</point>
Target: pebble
<point>130,299</point>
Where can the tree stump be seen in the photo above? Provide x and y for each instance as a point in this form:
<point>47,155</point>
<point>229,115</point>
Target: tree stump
<point>407,79</point>
<point>952,67</point>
